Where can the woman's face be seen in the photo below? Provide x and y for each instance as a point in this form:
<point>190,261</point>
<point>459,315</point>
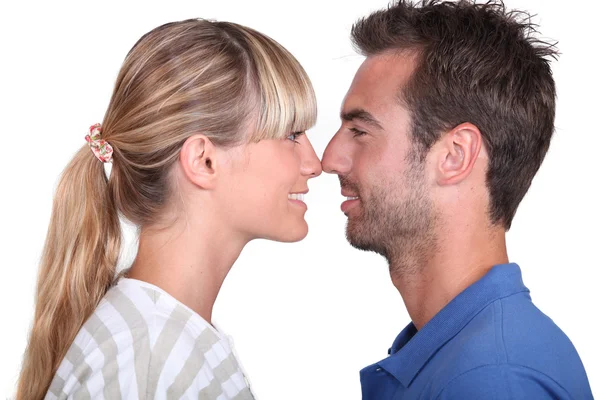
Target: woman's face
<point>267,182</point>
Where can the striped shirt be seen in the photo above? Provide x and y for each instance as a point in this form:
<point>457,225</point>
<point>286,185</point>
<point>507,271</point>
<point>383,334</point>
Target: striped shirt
<point>141,343</point>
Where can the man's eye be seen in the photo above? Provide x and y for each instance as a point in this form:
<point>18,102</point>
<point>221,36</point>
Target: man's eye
<point>357,132</point>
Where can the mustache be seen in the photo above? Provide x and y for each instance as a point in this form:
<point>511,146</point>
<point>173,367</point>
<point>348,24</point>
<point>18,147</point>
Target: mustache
<point>346,183</point>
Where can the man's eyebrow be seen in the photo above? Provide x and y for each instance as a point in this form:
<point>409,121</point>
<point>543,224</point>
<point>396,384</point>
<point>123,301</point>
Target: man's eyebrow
<point>360,115</point>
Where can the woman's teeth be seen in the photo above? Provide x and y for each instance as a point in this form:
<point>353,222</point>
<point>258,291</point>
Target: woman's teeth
<point>296,196</point>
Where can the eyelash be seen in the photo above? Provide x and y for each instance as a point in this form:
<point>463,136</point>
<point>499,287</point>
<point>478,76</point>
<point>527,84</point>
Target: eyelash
<point>294,135</point>
<point>357,132</point>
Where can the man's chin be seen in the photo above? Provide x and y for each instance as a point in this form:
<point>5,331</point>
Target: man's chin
<point>358,239</point>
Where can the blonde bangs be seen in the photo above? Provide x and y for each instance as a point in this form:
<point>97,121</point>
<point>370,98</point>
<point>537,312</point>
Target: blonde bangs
<point>287,100</point>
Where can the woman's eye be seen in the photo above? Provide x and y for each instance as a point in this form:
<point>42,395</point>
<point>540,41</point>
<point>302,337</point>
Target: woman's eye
<point>357,132</point>
<point>294,135</point>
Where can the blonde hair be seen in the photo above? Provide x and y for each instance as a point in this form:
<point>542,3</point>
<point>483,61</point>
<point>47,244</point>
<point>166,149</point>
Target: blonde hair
<point>227,81</point>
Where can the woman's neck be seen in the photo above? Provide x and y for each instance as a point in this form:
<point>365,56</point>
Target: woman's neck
<point>188,262</point>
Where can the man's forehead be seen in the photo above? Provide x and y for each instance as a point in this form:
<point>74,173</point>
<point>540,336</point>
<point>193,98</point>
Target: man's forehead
<point>379,79</point>
<point>377,83</point>
<point>387,68</point>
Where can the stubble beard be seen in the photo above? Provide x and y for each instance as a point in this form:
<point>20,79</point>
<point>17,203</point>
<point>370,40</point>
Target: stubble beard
<point>397,220</point>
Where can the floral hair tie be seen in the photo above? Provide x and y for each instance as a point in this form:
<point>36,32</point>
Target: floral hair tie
<point>101,149</point>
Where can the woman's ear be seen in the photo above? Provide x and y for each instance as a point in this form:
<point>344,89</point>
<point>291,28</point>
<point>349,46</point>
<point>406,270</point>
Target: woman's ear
<point>198,159</point>
<point>456,154</point>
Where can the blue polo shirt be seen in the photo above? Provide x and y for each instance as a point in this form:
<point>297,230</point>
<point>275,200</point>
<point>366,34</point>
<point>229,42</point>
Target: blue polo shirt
<point>490,342</point>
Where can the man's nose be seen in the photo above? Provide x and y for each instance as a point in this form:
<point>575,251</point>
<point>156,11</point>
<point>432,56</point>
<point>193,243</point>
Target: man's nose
<point>336,157</point>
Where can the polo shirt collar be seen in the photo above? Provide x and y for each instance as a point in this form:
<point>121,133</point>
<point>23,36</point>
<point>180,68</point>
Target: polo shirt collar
<point>412,349</point>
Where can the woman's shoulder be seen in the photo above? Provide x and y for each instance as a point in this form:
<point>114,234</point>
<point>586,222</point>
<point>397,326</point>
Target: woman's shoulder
<point>136,314</point>
<point>179,350</point>
<point>139,336</point>
<point>136,302</point>
<point>146,317</point>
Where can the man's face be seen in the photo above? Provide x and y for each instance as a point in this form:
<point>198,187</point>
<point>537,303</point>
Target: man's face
<point>389,210</point>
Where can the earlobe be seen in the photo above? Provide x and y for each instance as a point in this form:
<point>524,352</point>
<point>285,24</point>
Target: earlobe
<point>460,148</point>
<point>197,158</point>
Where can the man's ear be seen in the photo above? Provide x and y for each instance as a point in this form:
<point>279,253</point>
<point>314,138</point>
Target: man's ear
<point>198,159</point>
<point>456,153</point>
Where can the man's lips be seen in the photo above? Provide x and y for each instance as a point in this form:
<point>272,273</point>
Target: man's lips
<point>351,200</point>
<point>348,193</point>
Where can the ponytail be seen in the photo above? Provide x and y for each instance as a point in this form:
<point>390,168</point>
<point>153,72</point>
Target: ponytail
<point>77,267</point>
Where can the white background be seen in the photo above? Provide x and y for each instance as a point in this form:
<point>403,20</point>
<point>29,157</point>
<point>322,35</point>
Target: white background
<point>305,317</point>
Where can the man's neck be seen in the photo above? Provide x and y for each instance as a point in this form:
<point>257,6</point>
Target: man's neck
<point>430,284</point>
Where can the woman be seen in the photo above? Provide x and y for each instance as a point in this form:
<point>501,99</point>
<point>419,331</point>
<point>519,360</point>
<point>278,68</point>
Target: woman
<point>205,134</point>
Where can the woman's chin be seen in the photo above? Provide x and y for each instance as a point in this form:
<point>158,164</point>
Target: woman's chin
<point>294,233</point>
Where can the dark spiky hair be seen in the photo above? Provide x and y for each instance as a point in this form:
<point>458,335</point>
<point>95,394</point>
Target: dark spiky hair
<point>477,63</point>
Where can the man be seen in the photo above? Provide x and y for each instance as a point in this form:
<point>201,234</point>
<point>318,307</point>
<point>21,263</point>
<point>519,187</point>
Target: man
<point>443,129</point>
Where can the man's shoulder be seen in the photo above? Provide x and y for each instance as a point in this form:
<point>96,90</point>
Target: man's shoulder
<point>512,330</point>
<point>511,340</point>
<point>506,381</point>
<point>528,333</point>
